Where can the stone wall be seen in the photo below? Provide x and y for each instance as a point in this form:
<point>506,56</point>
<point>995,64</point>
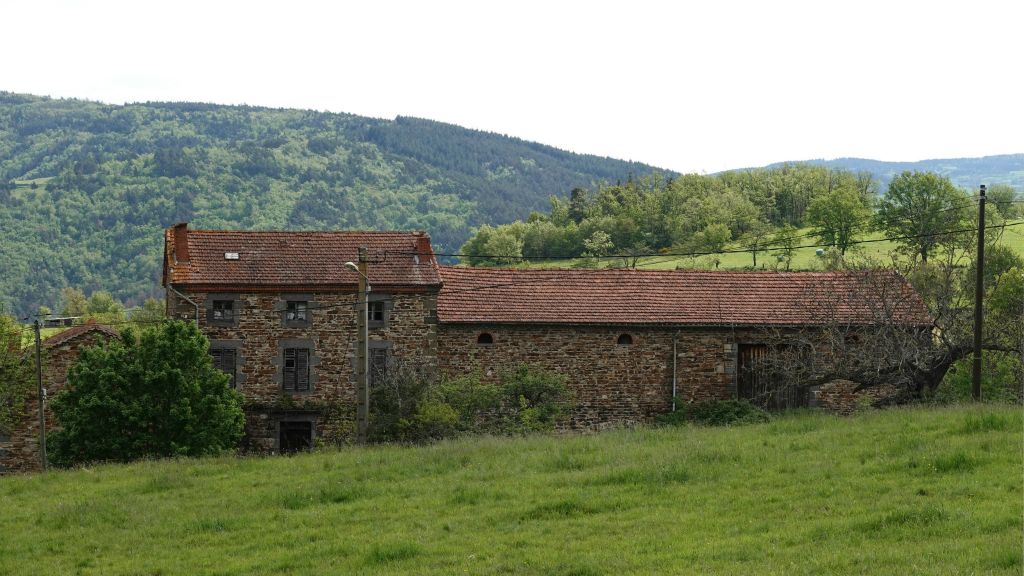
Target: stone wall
<point>260,333</point>
<point>842,396</point>
<point>20,451</point>
<point>612,383</point>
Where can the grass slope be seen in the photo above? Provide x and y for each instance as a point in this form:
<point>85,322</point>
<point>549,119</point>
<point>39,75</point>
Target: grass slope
<point>923,491</point>
<point>878,250</point>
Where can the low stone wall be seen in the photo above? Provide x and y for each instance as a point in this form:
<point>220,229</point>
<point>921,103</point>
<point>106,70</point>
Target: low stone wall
<point>842,396</point>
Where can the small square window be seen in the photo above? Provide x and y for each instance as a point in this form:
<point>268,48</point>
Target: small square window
<point>297,311</point>
<point>376,312</point>
<point>224,310</point>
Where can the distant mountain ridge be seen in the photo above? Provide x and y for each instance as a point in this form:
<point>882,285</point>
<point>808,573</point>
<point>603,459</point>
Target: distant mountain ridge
<point>964,172</point>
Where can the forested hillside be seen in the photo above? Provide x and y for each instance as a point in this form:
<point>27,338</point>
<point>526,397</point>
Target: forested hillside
<point>86,188</point>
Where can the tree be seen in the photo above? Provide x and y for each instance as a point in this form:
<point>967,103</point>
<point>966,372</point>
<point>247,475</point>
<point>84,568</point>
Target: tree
<point>157,395</point>
<point>837,218</point>
<point>75,302</point>
<point>757,238</point>
<point>15,373</point>
<point>922,210</point>
<point>1006,200</point>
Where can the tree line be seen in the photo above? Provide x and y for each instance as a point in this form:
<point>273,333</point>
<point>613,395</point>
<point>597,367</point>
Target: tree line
<point>750,210</point>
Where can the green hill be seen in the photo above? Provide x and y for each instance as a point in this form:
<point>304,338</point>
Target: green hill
<point>964,172</point>
<point>86,188</point>
<point>906,491</point>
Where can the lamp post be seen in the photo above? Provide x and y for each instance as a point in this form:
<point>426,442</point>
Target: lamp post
<point>362,346</point>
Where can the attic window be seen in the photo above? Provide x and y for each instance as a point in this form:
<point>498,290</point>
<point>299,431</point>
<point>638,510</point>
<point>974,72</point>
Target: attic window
<point>625,340</point>
<point>484,339</point>
<point>231,255</point>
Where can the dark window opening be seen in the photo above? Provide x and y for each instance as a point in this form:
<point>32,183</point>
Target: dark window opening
<point>485,339</point>
<point>297,311</point>
<point>625,340</point>
<point>295,437</point>
<point>378,366</point>
<point>224,310</point>
<point>375,312</point>
<point>224,359</point>
<point>295,374</point>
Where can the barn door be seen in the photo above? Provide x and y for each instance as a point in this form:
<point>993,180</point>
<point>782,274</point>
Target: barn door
<point>761,383</point>
<point>751,378</point>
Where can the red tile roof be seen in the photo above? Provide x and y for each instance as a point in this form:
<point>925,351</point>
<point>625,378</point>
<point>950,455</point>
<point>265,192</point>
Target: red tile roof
<point>75,331</point>
<point>696,298</point>
<point>307,259</point>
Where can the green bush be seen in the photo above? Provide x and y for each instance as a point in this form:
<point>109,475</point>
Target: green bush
<point>413,407</point>
<point>534,399</point>
<point>155,396</point>
<point>716,413</point>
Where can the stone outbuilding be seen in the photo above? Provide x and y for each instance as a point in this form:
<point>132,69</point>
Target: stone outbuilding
<point>19,451</point>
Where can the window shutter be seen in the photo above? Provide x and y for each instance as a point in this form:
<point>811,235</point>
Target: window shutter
<point>288,370</point>
<point>302,370</point>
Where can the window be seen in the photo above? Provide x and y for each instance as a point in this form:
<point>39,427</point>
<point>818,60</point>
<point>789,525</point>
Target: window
<point>378,366</point>
<point>295,437</point>
<point>225,360</point>
<point>484,339</point>
<point>223,311</point>
<point>297,311</point>
<point>295,372</point>
<point>625,340</point>
<point>375,314</point>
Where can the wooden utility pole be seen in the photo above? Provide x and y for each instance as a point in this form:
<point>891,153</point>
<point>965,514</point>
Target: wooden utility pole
<point>362,350</point>
<point>979,291</point>
<point>42,397</point>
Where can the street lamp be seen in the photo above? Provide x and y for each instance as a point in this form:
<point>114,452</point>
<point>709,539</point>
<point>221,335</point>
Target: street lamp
<point>362,346</point>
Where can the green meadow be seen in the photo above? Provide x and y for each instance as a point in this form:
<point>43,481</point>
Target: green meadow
<point>903,491</point>
<point>876,249</point>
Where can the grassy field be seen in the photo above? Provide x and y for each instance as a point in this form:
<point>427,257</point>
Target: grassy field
<point>910,491</point>
<point>803,259</point>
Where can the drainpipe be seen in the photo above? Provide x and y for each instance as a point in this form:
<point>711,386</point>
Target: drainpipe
<point>675,340</point>
<point>186,299</point>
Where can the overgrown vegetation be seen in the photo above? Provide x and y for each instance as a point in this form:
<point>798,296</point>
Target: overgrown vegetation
<point>921,491</point>
<point>152,396</point>
<point>15,373</point>
<point>716,413</point>
<point>411,406</point>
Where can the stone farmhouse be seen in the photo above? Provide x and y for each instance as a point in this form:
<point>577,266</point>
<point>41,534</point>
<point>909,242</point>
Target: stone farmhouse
<point>279,309</point>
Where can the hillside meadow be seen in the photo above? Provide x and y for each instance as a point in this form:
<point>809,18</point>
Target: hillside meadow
<point>904,491</point>
<point>874,248</point>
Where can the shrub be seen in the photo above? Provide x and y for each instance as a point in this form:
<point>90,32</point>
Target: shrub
<point>155,396</point>
<point>412,406</point>
<point>534,399</point>
<point>717,413</point>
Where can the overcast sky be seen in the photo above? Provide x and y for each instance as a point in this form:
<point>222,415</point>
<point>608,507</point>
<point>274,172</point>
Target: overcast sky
<point>694,87</point>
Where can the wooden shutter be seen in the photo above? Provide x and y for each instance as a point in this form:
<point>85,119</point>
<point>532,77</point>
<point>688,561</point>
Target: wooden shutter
<point>224,360</point>
<point>288,370</point>
<point>301,369</point>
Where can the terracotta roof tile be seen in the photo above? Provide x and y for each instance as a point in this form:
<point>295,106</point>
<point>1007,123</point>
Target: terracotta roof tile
<point>698,298</point>
<point>299,258</point>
